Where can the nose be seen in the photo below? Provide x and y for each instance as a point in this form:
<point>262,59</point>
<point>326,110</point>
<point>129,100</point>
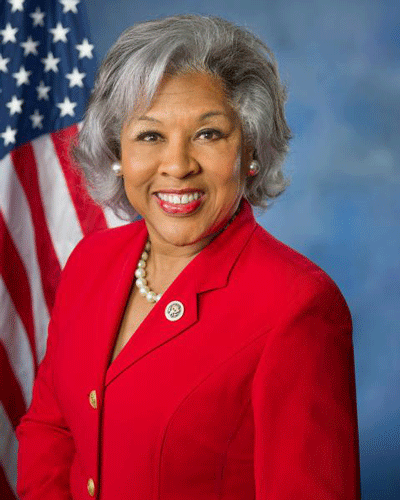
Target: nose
<point>177,159</point>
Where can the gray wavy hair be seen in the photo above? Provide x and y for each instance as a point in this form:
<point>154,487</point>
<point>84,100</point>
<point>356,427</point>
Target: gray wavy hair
<point>133,69</point>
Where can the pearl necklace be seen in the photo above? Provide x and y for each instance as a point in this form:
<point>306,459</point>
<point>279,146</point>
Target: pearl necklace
<point>141,281</point>
<point>140,273</point>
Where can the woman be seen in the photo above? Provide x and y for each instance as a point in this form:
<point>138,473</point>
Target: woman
<point>190,354</point>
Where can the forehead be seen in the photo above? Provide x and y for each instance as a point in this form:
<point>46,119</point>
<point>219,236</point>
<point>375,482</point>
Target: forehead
<point>194,94</point>
<point>188,84</point>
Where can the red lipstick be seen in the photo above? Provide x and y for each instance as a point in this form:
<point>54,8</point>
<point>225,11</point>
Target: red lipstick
<point>171,208</point>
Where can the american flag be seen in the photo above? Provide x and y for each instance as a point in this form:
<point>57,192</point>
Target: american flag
<point>47,68</point>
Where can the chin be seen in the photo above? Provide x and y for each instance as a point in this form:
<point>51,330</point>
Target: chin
<point>181,240</point>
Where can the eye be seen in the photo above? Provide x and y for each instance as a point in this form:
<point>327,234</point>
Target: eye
<point>149,136</point>
<point>210,134</point>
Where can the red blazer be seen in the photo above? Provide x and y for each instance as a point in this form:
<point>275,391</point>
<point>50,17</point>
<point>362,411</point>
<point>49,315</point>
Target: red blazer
<point>249,395</point>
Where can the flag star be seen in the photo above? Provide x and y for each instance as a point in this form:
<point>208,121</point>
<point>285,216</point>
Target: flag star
<point>43,91</point>
<point>22,76</point>
<point>67,107</point>
<point>15,105</point>
<point>69,5</point>
<point>75,78</point>
<point>37,17</point>
<point>59,33</point>
<point>85,49</point>
<point>9,33</point>
<point>36,119</point>
<point>9,135</point>
<point>50,63</point>
<point>17,5</point>
<point>30,47</point>
<point>3,63</point>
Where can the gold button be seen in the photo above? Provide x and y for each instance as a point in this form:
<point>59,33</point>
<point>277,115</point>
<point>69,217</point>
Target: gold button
<point>90,487</point>
<point>93,399</point>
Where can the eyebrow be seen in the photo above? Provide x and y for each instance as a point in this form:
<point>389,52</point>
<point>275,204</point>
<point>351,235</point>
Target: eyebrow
<point>212,113</point>
<point>148,119</point>
<point>203,117</point>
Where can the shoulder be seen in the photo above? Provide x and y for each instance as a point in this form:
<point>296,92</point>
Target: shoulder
<point>287,279</point>
<point>109,238</point>
<point>94,256</point>
<point>100,245</point>
<point>267,249</point>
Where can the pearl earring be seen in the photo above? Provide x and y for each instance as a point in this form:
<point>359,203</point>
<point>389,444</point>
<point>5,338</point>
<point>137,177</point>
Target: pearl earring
<point>116,167</point>
<point>254,168</point>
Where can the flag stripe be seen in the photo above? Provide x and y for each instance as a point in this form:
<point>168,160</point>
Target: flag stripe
<point>16,343</point>
<point>61,216</point>
<point>90,215</point>
<point>50,269</point>
<point>17,283</point>
<point>10,391</point>
<point>8,468</point>
<point>17,216</point>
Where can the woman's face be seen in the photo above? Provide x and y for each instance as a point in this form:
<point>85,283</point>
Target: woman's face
<point>183,164</point>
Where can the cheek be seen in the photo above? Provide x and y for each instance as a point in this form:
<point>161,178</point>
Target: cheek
<point>223,162</point>
<point>136,162</point>
<point>230,174</point>
<point>135,172</point>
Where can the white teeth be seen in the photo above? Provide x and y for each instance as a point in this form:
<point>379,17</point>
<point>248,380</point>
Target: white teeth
<point>179,199</point>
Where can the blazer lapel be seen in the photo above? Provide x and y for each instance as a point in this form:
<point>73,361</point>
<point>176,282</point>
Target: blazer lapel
<point>156,329</point>
<point>208,270</point>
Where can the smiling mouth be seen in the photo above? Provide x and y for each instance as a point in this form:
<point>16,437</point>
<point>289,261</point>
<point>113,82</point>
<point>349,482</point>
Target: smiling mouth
<point>179,199</point>
<point>184,203</point>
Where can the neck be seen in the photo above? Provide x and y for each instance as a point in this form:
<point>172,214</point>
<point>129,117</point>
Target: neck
<point>166,261</point>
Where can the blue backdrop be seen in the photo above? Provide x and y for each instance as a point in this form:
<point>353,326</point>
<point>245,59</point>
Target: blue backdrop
<point>341,61</point>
